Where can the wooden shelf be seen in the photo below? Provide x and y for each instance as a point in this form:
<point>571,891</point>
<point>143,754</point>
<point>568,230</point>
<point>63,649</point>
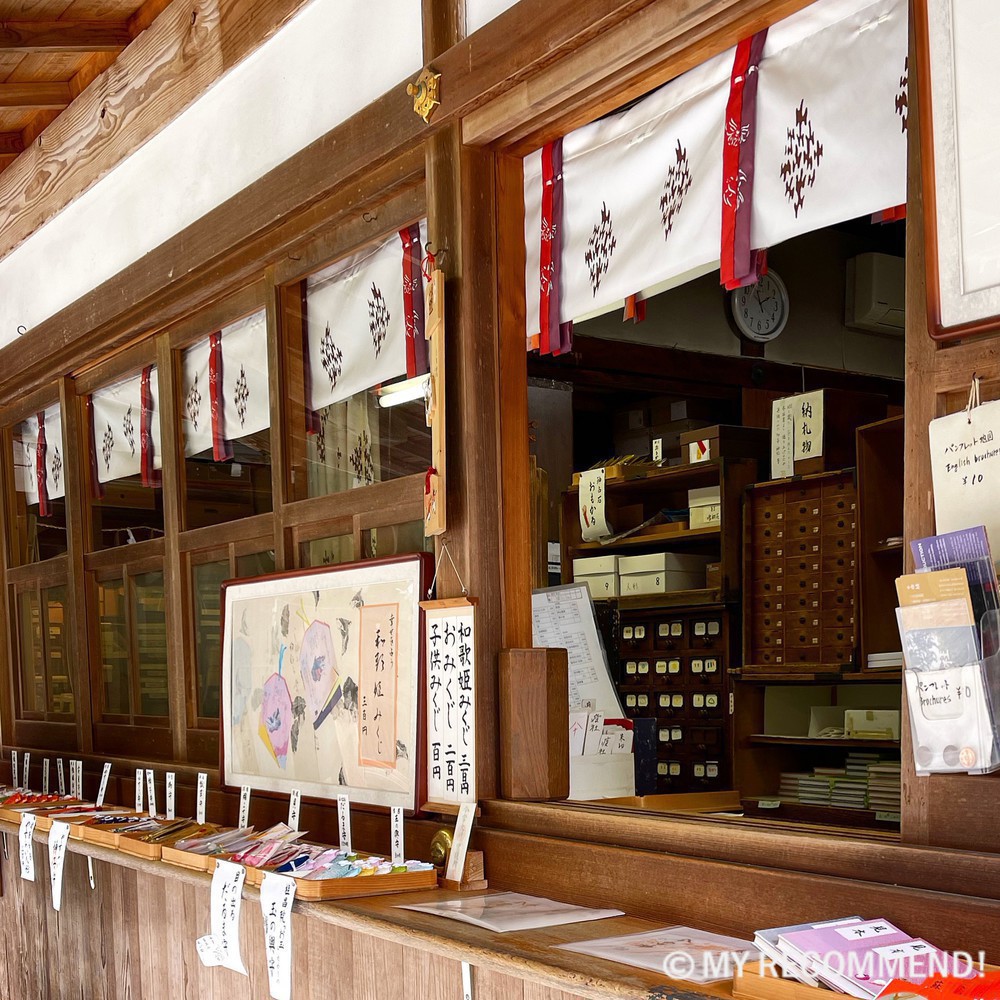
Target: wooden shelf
<point>883,549</point>
<point>658,542</point>
<point>819,677</point>
<point>763,739</point>
<point>677,599</point>
<point>678,477</point>
<point>799,811</point>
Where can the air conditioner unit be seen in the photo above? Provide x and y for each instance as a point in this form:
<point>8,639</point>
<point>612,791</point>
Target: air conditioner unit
<point>876,293</point>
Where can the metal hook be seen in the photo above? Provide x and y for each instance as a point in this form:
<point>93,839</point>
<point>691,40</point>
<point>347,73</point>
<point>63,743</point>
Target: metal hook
<point>22,330</point>
<point>369,216</point>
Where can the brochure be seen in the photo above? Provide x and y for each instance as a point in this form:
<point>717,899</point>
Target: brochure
<point>510,911</point>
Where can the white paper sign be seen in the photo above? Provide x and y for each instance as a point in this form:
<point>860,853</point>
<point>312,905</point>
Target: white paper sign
<point>58,838</point>
<point>808,416</point>
<point>277,893</point>
<point>79,778</point>
<point>244,806</point>
<point>466,981</point>
<point>202,796</point>
<point>61,776</point>
<point>294,806</point>
<point>25,851</point>
<point>593,519</point>
<point>150,792</point>
<point>13,769</point>
<point>138,789</point>
<point>90,872</point>
<point>344,822</point>
<point>227,900</point>
<point>965,468</point>
<point>592,738</point>
<point>208,951</point>
<point>171,795</point>
<point>460,842</point>
<point>783,438</point>
<point>45,776</point>
<point>103,790</point>
<point>72,779</point>
<point>24,775</point>
<point>396,836</point>
<point>450,641</point>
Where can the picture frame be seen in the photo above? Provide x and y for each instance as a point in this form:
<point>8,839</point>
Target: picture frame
<point>960,158</point>
<point>322,682</point>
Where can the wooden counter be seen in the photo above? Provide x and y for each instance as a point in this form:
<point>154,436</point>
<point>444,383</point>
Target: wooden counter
<point>134,936</point>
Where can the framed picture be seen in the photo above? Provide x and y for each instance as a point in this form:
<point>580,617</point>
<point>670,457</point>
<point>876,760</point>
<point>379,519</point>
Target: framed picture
<point>960,155</point>
<point>322,680</point>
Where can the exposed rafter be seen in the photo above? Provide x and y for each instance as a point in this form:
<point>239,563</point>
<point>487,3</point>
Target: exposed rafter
<point>35,96</point>
<point>63,36</point>
<point>11,142</point>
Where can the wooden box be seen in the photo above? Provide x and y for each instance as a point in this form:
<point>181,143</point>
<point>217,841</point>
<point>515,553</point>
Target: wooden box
<point>727,441</point>
<point>361,885</point>
<point>843,412</point>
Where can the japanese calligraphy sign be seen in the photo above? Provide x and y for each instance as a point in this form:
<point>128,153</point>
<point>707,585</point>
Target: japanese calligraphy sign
<point>593,520</point>
<point>277,893</point>
<point>965,466</point>
<point>222,946</point>
<point>58,838</point>
<point>378,680</point>
<point>450,657</point>
<point>808,417</point>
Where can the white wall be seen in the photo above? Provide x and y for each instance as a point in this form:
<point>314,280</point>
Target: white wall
<point>480,12</point>
<point>331,60</point>
<point>813,267</point>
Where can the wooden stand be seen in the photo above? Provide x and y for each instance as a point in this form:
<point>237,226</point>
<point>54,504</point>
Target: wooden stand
<point>473,878</point>
<point>534,724</point>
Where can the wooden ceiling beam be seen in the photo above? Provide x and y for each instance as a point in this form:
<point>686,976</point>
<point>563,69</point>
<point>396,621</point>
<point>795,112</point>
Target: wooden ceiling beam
<point>63,36</point>
<point>35,96</point>
<point>11,142</point>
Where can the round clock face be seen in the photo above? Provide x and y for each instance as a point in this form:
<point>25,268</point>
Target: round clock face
<point>761,311</point>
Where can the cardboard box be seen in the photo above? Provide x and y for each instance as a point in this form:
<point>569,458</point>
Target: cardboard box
<point>661,573</point>
<point>727,441</point>
<point>705,507</point>
<point>599,573</point>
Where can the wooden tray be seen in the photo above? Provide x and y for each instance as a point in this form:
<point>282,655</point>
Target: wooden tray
<point>186,859</point>
<point>750,984</point>
<point>102,836</point>
<point>360,885</point>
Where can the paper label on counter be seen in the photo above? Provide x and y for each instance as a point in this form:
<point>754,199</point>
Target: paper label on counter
<point>24,845</point>
<point>45,776</point>
<point>593,518</point>
<point>294,806</point>
<point>396,836</point>
<point>61,776</point>
<point>277,893</point>
<point>150,792</point>
<point>139,799</point>
<point>171,795</point>
<point>24,774</point>
<point>244,806</point>
<point>13,769</point>
<point>460,841</point>
<point>202,797</point>
<point>78,769</point>
<point>344,822</point>
<point>103,790</point>
<point>58,838</point>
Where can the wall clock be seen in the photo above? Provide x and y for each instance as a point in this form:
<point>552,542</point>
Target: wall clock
<point>760,311</point>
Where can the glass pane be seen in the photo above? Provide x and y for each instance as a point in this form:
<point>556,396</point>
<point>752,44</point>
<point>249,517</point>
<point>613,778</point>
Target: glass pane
<point>255,564</point>
<point>35,536</point>
<point>151,643</point>
<point>59,651</point>
<point>328,551</point>
<point>207,580</point>
<point>113,622</point>
<point>238,485</point>
<point>32,654</point>
<point>358,442</point>
<point>128,512</point>
<point>394,540</point>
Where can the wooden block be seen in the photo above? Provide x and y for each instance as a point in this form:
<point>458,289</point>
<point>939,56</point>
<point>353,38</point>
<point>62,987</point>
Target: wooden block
<point>534,723</point>
<point>473,878</point>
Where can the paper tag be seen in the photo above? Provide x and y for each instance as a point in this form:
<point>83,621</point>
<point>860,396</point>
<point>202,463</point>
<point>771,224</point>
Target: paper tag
<point>27,855</point>
<point>769,803</point>
<point>72,778</point>
<point>102,791</point>
<point>171,795</point>
<point>657,449</point>
<point>782,438</point>
<point>138,790</point>
<point>277,893</point>
<point>593,520</point>
<point>24,773</point>
<point>396,835</point>
<point>90,872</point>
<point>227,901</point>
<point>58,838</point>
<point>5,855</point>
<point>244,806</point>
<point>79,778</point>
<point>294,806</point>
<point>208,951</point>
<point>45,776</point>
<point>13,769</point>
<point>888,817</point>
<point>344,821</point>
<point>202,796</point>
<point>61,776</point>
<point>808,417</point>
<point>460,841</point>
<point>466,981</point>
<point>150,791</point>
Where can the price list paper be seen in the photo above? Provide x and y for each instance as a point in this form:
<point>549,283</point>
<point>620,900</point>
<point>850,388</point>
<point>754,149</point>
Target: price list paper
<point>26,853</point>
<point>58,838</point>
<point>450,656</point>
<point>277,894</point>
<point>222,945</point>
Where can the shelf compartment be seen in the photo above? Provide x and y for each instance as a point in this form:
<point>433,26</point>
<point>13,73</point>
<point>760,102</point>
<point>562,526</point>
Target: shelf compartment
<point>766,739</point>
<point>665,541</point>
<point>798,812</point>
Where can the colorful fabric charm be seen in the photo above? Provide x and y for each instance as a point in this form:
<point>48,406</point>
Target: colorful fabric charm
<point>222,450</point>
<point>44,505</point>
<point>635,309</point>
<point>740,265</point>
<point>150,477</point>
<point>413,303</point>
<point>554,337</point>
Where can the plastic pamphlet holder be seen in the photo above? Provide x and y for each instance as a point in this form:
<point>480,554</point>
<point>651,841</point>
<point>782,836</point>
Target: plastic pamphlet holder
<point>953,711</point>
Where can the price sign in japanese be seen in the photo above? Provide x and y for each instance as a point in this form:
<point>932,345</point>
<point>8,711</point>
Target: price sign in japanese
<point>593,519</point>
<point>450,656</point>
